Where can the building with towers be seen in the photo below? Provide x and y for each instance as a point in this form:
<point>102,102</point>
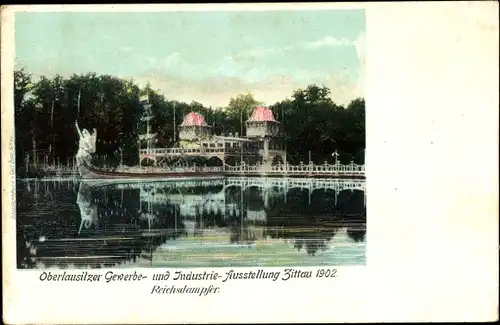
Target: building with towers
<point>262,128</point>
<point>193,129</point>
<point>262,145</point>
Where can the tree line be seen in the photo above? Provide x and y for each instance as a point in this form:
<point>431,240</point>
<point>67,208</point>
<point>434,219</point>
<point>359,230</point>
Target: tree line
<point>46,111</point>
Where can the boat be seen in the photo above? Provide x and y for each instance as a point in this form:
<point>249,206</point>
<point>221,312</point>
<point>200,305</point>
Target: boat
<point>195,130</point>
<point>88,171</point>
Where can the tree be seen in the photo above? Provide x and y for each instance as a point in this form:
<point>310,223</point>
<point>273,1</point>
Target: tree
<point>22,86</point>
<point>312,94</point>
<point>24,113</point>
<point>46,109</point>
<point>314,123</point>
<point>240,109</point>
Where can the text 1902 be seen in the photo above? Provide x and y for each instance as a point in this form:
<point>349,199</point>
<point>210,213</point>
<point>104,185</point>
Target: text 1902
<point>326,273</point>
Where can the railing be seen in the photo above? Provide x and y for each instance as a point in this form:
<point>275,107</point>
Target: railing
<point>52,169</point>
<point>351,169</point>
<point>152,169</point>
<point>312,183</point>
<point>306,169</point>
<point>179,151</point>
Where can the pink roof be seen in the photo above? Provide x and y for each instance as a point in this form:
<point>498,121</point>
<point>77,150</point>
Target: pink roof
<point>194,119</point>
<point>262,114</point>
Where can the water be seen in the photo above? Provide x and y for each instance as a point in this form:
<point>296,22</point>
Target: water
<point>234,222</point>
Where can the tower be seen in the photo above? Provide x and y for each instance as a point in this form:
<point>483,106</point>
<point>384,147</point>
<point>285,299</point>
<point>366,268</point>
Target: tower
<point>193,128</point>
<point>262,127</point>
<point>146,137</point>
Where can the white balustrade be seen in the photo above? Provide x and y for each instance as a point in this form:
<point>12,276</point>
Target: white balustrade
<point>304,183</point>
<point>302,169</point>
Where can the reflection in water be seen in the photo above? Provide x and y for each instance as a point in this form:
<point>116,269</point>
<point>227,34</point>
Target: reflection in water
<point>88,209</point>
<point>67,224</point>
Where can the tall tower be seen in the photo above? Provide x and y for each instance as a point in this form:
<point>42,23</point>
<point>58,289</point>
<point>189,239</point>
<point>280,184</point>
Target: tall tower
<point>193,128</point>
<point>146,137</point>
<point>262,127</point>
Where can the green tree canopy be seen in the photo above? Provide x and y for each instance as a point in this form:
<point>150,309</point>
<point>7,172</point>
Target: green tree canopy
<point>45,112</point>
<point>240,109</point>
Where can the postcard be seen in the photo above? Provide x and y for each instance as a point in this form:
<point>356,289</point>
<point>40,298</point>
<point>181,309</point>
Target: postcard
<point>209,163</point>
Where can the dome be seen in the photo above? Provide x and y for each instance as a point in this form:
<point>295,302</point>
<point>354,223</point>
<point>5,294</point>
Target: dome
<point>262,114</point>
<point>194,119</point>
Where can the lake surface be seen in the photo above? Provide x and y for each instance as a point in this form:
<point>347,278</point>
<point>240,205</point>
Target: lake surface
<point>233,222</point>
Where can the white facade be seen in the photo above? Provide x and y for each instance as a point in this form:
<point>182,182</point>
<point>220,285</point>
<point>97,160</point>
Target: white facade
<point>193,132</point>
<point>262,129</point>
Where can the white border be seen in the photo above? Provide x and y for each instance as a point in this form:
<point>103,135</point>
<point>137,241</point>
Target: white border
<point>432,131</point>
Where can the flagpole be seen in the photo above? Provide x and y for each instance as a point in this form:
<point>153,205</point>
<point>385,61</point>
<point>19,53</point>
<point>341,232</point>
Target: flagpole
<point>284,136</point>
<point>174,123</point>
<point>79,96</point>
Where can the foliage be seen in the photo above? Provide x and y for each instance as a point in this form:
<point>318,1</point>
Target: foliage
<point>313,122</point>
<point>46,110</point>
<point>240,109</point>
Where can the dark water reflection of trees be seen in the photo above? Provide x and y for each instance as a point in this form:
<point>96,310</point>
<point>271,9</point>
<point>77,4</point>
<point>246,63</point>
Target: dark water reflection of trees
<point>71,224</point>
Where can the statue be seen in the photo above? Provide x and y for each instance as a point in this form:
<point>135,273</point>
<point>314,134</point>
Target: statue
<point>88,210</point>
<point>86,146</point>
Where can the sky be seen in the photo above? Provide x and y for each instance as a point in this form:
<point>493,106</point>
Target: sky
<point>207,57</point>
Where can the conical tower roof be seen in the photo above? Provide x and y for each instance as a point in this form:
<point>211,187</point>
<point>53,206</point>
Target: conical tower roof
<point>194,119</point>
<point>262,114</point>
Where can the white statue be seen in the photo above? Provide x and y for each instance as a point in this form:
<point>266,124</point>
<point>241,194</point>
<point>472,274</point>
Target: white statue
<point>88,210</point>
<point>87,145</point>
